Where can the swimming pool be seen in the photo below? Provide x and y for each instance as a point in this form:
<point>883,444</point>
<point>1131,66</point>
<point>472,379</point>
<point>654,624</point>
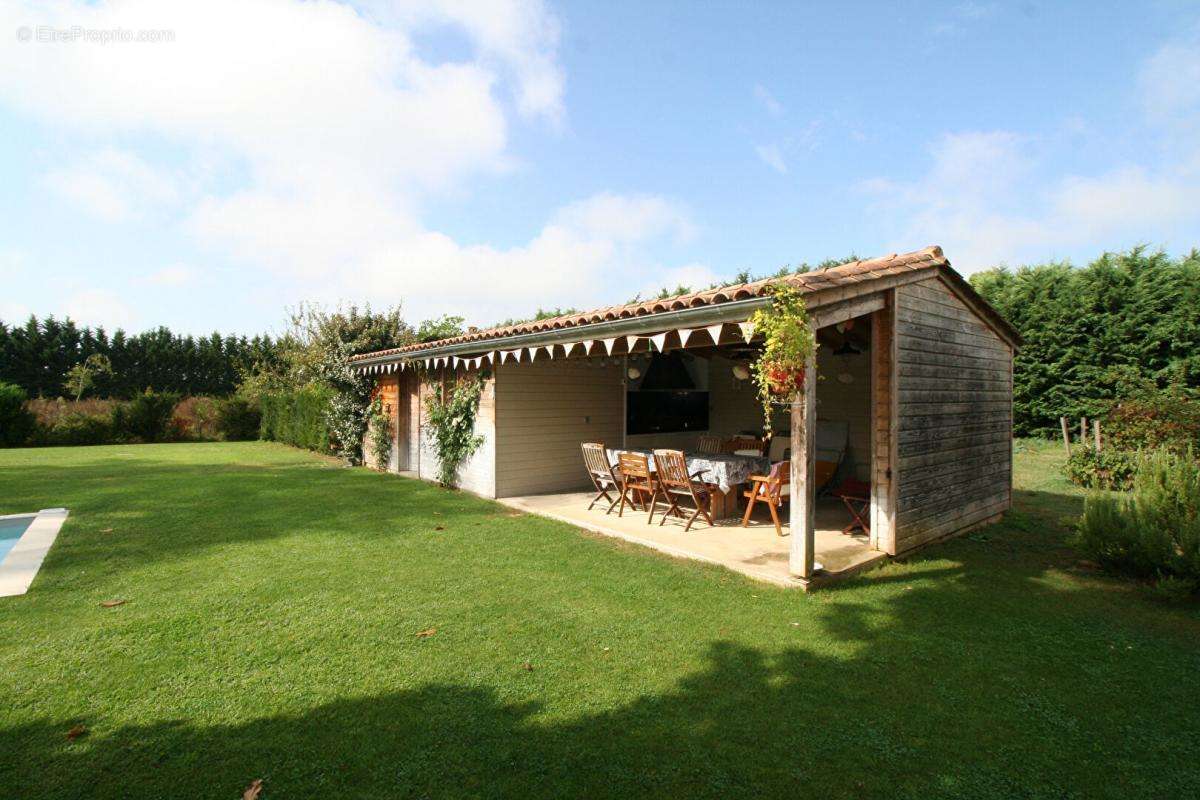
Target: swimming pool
<point>25,539</point>
<point>11,530</point>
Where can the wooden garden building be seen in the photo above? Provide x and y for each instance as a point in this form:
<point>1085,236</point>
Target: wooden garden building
<point>902,437</point>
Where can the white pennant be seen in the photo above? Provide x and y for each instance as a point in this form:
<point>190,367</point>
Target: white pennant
<point>630,341</point>
<point>660,341</point>
<point>530,352</point>
<point>608,344</point>
<point>747,330</point>
<point>549,350</point>
<point>684,335</point>
<point>457,361</point>
<point>715,332</point>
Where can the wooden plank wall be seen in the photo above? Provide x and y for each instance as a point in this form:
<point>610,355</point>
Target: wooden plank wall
<point>954,416</point>
<point>883,489</point>
<point>544,410</point>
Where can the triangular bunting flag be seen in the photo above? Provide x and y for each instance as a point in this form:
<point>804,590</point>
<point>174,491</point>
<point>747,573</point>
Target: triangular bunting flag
<point>660,341</point>
<point>747,330</point>
<point>548,349</point>
<point>608,344</point>
<point>530,352</point>
<point>684,335</point>
<point>630,341</point>
<point>715,332</point>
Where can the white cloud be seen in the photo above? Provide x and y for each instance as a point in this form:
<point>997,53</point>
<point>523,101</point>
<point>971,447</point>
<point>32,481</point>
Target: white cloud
<point>1170,79</point>
<point>986,202</point>
<point>324,132</point>
<point>113,185</point>
<point>99,307</point>
<point>772,157</point>
<point>764,96</point>
<point>626,218</point>
<point>175,275</point>
<point>696,277</point>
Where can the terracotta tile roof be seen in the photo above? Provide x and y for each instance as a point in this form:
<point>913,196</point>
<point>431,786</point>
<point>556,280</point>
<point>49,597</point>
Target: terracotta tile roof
<point>808,283</point>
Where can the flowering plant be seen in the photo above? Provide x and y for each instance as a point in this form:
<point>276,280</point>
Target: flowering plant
<point>789,342</point>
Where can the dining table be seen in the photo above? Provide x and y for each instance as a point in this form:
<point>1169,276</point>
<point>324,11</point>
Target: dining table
<point>724,472</point>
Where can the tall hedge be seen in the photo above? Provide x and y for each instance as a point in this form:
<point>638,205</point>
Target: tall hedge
<point>1092,332</point>
<point>297,417</point>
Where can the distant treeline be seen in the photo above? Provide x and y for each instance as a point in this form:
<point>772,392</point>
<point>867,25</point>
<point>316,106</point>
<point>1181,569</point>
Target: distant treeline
<point>37,355</point>
<point>1119,325</point>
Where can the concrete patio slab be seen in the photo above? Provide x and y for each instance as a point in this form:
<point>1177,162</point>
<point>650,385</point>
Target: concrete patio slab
<point>756,550</point>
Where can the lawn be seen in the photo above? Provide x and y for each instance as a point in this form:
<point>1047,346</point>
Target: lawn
<point>273,601</point>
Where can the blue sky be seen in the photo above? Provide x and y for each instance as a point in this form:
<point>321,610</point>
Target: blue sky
<point>488,159</point>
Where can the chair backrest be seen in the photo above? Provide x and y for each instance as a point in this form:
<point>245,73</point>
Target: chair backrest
<point>708,444</point>
<point>595,459</point>
<point>779,476</point>
<point>742,443</point>
<point>634,465</point>
<point>672,469</point>
<point>781,448</point>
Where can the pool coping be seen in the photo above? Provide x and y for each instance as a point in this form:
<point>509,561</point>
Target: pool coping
<point>23,561</point>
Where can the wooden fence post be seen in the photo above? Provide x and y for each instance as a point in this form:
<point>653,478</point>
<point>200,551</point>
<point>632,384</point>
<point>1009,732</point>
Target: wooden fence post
<point>1066,435</point>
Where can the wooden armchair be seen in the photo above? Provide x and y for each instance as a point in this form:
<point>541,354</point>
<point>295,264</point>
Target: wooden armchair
<point>774,490</point>
<point>604,478</point>
<point>636,479</point>
<point>677,484</point>
<point>709,444</point>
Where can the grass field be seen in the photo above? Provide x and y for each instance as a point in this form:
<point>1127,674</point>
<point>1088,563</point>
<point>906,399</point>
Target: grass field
<point>272,602</point>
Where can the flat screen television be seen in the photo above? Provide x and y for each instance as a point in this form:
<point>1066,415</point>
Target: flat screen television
<point>666,412</point>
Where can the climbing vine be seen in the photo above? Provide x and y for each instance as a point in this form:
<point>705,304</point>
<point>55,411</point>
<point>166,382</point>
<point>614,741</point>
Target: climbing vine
<point>789,341</point>
<point>451,416</point>
<point>379,428</point>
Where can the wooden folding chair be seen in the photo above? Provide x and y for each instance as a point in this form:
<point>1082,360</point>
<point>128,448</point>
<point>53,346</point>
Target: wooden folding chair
<point>604,479</point>
<point>676,484</point>
<point>708,444</point>
<point>636,478</point>
<point>773,489</point>
<point>743,443</point>
<point>856,496</point>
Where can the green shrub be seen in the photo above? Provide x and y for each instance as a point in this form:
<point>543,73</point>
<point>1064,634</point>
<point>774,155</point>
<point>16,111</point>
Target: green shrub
<point>1167,418</point>
<point>238,420</point>
<point>1107,469</point>
<point>16,423</point>
<point>76,428</point>
<point>297,418</point>
<point>146,417</point>
<point>1154,533</point>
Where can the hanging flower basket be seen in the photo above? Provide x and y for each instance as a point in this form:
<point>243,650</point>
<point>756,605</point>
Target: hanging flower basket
<point>789,343</point>
<point>784,380</point>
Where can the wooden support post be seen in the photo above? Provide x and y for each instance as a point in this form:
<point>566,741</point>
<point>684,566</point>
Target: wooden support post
<point>802,513</point>
<point>1066,435</point>
<point>1096,430</point>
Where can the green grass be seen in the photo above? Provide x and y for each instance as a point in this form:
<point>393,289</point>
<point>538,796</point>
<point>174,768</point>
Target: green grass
<point>273,597</point>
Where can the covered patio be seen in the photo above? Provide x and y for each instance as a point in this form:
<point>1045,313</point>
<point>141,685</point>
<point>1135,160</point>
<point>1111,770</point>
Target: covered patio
<point>756,550</point>
<point>906,410</point>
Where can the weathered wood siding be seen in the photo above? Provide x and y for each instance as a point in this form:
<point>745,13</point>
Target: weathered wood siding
<point>478,473</point>
<point>954,416</point>
<point>544,410</point>
<point>387,389</point>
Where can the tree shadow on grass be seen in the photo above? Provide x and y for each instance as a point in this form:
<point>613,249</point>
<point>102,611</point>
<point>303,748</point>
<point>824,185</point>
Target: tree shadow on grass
<point>926,705</point>
<point>977,680</point>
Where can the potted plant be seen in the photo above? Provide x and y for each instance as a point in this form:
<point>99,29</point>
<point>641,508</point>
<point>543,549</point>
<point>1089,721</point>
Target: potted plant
<point>789,342</point>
